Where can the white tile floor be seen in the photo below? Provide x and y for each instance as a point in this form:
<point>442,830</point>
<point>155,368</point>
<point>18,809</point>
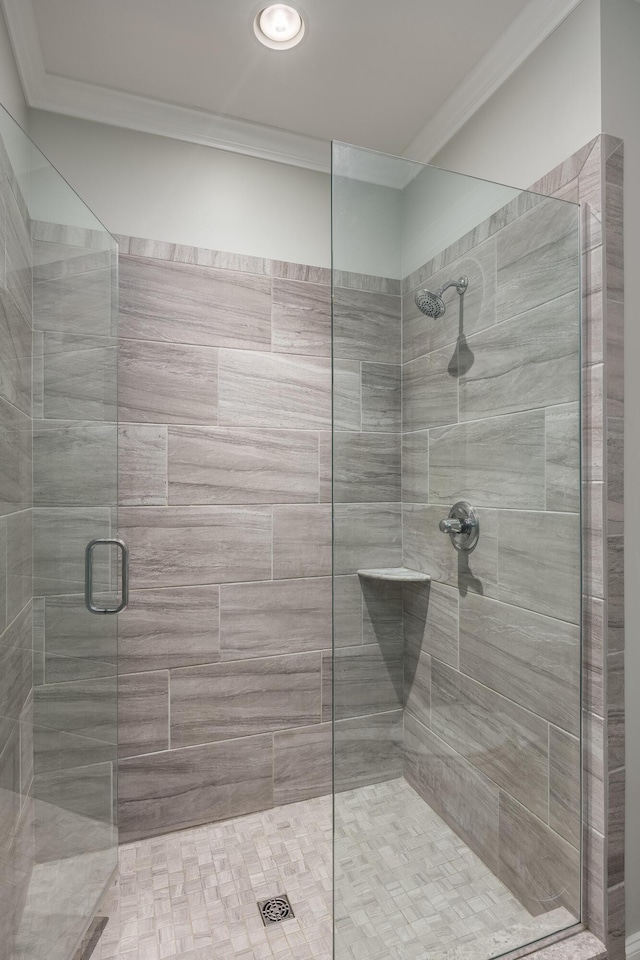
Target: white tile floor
<point>407,888</point>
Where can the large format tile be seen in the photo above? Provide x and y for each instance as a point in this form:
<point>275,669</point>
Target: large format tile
<point>505,742</point>
<point>74,463</point>
<point>169,627</point>
<point>367,750</point>
<point>417,684</point>
<point>88,708</point>
<point>347,391</point>
<point>499,462</point>
<point>15,670</point>
<point>431,620</point>
<point>539,562</point>
<point>167,383</point>
<point>143,713</point>
<point>60,535</point>
<point>77,376</point>
<point>185,303</point>
<point>69,631</point>
<point>17,250</point>
<point>15,355</point>
<point>541,868</point>
<point>415,467</point>
<point>366,467</point>
<point>18,563</point>
<point>531,659</point>
<point>430,390</point>
<point>179,788</point>
<point>366,326</point>
<point>243,698</point>
<point>77,304</point>
<point>538,257</point>
<point>301,318</point>
<point>184,546</point>
<point>381,396</point>
<point>142,464</point>
<point>15,458</point>
<point>274,617</point>
<point>302,766</point>
<point>367,535</point>
<point>238,465</point>
<point>463,796</point>
<point>562,433</point>
<point>367,679</point>
<point>529,361</point>
<point>564,785</point>
<point>301,541</point>
<point>274,390</point>
<point>347,611</point>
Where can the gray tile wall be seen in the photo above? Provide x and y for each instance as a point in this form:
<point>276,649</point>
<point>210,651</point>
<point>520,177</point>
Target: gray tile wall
<point>492,645</point>
<point>16,681</point>
<point>225,468</point>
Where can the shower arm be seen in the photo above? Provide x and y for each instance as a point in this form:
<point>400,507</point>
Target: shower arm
<point>460,285</point>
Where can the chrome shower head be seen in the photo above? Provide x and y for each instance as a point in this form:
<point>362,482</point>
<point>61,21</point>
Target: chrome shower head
<point>432,304</point>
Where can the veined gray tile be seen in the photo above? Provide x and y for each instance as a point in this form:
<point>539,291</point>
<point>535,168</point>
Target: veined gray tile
<point>15,459</point>
<point>15,669</point>
<point>417,684</point>
<point>3,576</point>
<point>57,750</point>
<point>366,326</point>
<point>53,259</point>
<point>415,467</point>
<point>170,627</point>
<point>347,611</point>
<point>430,551</point>
<point>274,390</point>
<point>614,232</point>
<point>498,462</point>
<point>367,535</point>
<point>615,475</point>
<point>615,358</point>
<point>83,304</point>
<point>18,534</point>
<point>274,617</point>
<point>593,539</point>
<point>616,831</point>
<point>185,546</point>
<point>615,593</point>
<point>531,659</point>
<point>240,465</point>
<point>74,463</point>
<point>381,397</point>
<point>593,614</point>
<point>300,271</point>
<point>564,785</point>
<point>541,868</point>
<point>351,280</point>
<point>85,791</point>
<point>367,679</point>
<point>167,383</point>
<point>226,700</point>
<point>382,604</point>
<point>529,361</point>
<point>201,256</point>
<point>60,535</point>
<point>505,742</point>
<point>346,394</point>
<point>302,763</point>
<point>615,709</point>
<point>64,669</point>
<point>593,406</point>
<point>185,303</point>
<point>431,620</point>
<point>326,685</point>
<point>301,541</point>
<point>15,355</point>
<point>367,750</point>
<point>143,713</point>
<point>538,257</point>
<point>301,318</point>
<point>422,335</point>
<point>142,464</point>
<point>366,467</point>
<point>540,567</point>
<point>70,631</point>
<point>562,433</point>
<point>325,457</point>
<point>79,376</point>
<point>17,249</point>
<point>85,707</point>
<point>430,390</point>
<point>180,788</point>
<point>460,793</point>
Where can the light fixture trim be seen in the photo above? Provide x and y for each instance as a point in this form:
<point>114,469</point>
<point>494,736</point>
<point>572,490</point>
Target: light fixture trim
<point>279,19</point>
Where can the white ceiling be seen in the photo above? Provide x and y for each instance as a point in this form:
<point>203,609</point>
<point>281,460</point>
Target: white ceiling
<point>370,72</point>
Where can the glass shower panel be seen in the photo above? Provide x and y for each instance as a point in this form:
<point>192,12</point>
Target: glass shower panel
<point>457,562</point>
<point>61,847</point>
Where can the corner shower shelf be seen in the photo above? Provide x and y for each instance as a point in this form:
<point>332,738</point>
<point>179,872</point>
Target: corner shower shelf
<point>397,574</point>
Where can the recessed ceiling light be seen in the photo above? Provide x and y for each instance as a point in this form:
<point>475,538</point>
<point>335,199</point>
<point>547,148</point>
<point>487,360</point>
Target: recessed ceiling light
<point>279,26</point>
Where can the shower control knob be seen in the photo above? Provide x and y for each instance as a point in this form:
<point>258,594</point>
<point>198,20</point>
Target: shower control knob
<point>462,525</point>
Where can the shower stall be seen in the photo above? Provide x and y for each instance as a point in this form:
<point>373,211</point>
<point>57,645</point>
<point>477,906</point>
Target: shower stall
<point>341,716</point>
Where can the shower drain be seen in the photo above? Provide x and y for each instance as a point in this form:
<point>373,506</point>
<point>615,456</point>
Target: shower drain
<point>275,909</point>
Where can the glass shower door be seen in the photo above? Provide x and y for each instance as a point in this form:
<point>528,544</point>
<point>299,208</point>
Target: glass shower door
<point>457,563</point>
<point>59,842</point>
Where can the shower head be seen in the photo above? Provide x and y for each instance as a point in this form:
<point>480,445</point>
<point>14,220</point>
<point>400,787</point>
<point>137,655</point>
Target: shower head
<point>432,304</point>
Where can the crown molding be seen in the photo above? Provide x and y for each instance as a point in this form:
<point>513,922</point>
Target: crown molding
<point>524,35</point>
<point>88,101</point>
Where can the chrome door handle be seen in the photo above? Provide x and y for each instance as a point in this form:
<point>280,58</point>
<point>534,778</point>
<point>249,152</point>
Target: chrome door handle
<point>88,575</point>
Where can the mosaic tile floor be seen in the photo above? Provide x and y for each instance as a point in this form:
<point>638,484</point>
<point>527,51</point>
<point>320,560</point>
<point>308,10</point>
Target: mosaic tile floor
<point>407,888</point>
